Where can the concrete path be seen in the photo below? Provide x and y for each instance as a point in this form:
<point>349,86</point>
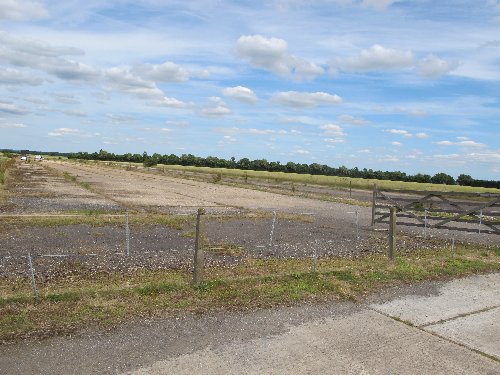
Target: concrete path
<point>429,328</point>
<point>466,311</point>
<point>447,333</point>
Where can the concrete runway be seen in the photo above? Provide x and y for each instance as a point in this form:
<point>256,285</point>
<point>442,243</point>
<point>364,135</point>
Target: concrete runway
<point>432,327</point>
<point>456,331</point>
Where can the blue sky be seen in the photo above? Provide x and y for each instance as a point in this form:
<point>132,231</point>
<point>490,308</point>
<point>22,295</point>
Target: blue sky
<point>383,84</point>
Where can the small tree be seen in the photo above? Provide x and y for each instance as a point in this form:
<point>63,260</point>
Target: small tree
<point>442,178</point>
<point>465,180</point>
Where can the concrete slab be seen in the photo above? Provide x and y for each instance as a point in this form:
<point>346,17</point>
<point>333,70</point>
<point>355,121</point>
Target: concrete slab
<point>458,297</point>
<point>479,331</point>
<point>361,343</point>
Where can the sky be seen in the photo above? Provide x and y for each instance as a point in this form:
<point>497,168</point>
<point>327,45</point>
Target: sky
<point>383,84</point>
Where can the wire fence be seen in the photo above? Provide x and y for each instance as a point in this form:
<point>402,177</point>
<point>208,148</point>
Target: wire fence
<point>44,247</point>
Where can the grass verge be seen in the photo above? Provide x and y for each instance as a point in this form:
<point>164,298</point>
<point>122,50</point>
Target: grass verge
<point>106,299</point>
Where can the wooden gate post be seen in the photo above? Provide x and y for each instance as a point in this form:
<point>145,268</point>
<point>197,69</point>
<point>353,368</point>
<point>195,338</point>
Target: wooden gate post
<point>199,257</point>
<point>392,234</point>
<point>374,203</point>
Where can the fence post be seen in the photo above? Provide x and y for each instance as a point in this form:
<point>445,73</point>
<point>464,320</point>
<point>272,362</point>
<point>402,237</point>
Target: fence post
<point>350,189</point>
<point>199,257</point>
<point>272,229</point>
<point>374,202</point>
<point>32,275</point>
<point>480,221</point>
<point>357,224</point>
<point>127,234</point>
<point>392,234</point>
<point>425,224</point>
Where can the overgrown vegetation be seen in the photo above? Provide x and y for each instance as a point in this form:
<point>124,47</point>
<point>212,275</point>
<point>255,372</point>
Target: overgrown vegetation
<point>6,162</point>
<point>72,302</point>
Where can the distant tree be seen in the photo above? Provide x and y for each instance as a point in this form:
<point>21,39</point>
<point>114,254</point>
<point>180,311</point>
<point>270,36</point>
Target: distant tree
<point>442,178</point>
<point>465,180</point>
<point>244,163</point>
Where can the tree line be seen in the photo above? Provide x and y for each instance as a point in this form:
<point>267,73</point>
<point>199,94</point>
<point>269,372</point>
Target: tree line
<point>273,166</point>
<point>276,166</point>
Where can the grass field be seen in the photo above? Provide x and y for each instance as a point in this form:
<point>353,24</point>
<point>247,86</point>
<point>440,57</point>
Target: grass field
<point>330,181</point>
<point>79,299</point>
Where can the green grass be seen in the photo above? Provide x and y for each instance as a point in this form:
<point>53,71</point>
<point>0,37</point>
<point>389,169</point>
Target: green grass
<point>97,219</point>
<point>75,301</point>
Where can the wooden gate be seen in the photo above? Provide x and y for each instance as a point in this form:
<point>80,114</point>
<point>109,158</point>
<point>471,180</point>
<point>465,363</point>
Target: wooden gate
<point>469,212</point>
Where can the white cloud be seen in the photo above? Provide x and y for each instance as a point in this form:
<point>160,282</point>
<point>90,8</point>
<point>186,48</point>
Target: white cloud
<point>15,77</point>
<point>22,10</point>
<point>243,94</point>
<point>69,70</point>
<point>376,57</point>
<point>470,144</point>
<point>433,66</point>
<point>404,133</point>
<point>12,109</point>
<point>462,143</point>
<point>45,57</point>
<point>216,108</point>
<point>353,120</point>
<point>13,126</point>
<point>299,120</point>
<point>305,99</point>
<point>166,72</point>
<point>301,151</point>
<point>65,98</point>
<point>120,119</point>
<point>333,132</point>
<point>170,103</point>
<point>271,54</point>
<point>122,80</point>
<point>334,140</point>
<point>251,131</point>
<point>397,144</point>
<point>61,132</point>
